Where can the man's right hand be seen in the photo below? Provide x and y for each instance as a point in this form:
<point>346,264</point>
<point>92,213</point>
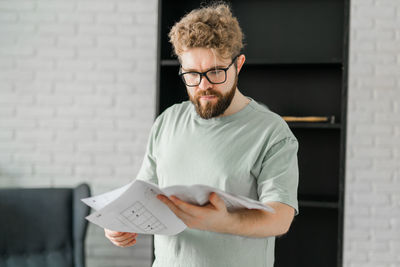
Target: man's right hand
<point>121,239</point>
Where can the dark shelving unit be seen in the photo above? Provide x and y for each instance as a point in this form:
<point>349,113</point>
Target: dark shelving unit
<point>296,64</point>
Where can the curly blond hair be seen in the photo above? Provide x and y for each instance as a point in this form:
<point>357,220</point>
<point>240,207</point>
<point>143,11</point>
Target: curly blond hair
<point>210,26</point>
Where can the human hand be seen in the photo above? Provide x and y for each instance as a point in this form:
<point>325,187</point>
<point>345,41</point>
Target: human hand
<point>213,216</point>
<point>121,239</point>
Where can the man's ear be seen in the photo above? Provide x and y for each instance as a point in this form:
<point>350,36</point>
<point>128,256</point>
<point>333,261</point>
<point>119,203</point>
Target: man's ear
<point>240,61</point>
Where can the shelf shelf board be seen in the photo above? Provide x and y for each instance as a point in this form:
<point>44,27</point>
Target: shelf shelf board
<point>174,62</point>
<point>269,63</point>
<point>169,62</point>
<point>317,125</point>
<point>318,204</point>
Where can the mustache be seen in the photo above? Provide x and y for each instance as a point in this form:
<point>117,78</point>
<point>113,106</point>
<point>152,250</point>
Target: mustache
<point>208,92</point>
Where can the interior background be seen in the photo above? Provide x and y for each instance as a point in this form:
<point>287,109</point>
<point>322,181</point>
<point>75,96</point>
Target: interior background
<point>77,100</point>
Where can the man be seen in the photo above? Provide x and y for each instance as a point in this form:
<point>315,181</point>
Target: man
<point>223,139</point>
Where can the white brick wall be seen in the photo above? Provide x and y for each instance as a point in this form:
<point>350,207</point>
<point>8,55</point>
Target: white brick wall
<point>372,215</point>
<point>77,100</point>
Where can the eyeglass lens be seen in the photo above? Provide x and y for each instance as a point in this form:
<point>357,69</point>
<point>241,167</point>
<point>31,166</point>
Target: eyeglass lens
<point>214,76</point>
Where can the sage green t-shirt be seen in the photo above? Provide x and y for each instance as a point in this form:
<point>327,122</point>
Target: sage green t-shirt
<point>252,153</point>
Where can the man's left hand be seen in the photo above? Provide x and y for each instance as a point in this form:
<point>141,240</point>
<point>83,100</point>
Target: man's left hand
<point>213,216</point>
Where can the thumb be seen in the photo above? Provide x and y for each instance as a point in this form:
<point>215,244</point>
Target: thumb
<point>217,201</point>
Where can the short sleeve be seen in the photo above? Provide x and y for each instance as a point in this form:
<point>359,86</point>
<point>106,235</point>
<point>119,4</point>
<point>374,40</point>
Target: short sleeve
<point>148,170</point>
<point>279,176</point>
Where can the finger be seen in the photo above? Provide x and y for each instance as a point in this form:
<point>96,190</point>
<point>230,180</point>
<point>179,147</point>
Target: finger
<point>124,237</point>
<point>118,236</point>
<point>178,212</point>
<point>126,243</point>
<point>115,234</point>
<point>186,207</point>
<point>122,242</point>
<point>133,242</point>
<point>112,233</point>
<point>217,201</point>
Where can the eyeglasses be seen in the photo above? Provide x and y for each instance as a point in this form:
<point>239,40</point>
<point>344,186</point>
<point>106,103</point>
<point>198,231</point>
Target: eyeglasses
<point>214,76</point>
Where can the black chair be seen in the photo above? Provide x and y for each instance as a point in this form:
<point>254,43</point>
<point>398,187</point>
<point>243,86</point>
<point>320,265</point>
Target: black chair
<point>43,227</point>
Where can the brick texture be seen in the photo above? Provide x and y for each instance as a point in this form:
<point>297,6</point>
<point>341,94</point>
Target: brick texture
<point>372,212</point>
<point>74,75</point>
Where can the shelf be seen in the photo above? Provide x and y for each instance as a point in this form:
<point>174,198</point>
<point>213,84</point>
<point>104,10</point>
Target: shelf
<point>252,62</point>
<point>295,89</point>
<point>318,204</point>
<point>275,30</point>
<point>311,125</point>
<point>313,237</point>
<point>169,62</point>
<point>319,164</point>
<point>296,65</point>
<point>174,62</point>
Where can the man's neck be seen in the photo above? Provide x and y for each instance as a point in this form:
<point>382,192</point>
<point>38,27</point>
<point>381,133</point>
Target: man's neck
<point>239,101</point>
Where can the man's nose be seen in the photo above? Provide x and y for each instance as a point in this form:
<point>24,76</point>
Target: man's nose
<point>204,83</point>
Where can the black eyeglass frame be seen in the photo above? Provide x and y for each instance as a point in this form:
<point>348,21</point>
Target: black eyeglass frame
<point>180,73</point>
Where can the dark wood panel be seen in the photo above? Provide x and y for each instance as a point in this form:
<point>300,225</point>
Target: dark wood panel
<point>294,90</point>
<point>311,241</point>
<point>297,56</point>
<point>319,160</point>
<point>272,27</point>
<point>173,90</point>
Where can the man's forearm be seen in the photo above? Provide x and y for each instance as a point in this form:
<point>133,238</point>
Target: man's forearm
<point>259,223</point>
<point>215,217</point>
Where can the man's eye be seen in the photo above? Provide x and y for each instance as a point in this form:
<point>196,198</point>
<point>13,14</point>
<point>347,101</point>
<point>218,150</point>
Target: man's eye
<point>215,72</point>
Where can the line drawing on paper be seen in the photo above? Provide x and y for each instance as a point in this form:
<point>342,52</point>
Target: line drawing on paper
<point>138,216</point>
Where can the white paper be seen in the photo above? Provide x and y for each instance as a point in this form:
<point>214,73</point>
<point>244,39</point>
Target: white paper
<point>135,207</point>
<point>100,201</point>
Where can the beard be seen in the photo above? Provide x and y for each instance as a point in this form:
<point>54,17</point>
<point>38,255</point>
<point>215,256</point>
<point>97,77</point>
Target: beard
<point>210,109</point>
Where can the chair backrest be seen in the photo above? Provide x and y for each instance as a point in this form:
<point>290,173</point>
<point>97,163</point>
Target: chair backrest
<point>43,227</point>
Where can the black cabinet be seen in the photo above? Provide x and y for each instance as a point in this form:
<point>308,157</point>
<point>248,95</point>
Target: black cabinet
<point>296,64</point>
